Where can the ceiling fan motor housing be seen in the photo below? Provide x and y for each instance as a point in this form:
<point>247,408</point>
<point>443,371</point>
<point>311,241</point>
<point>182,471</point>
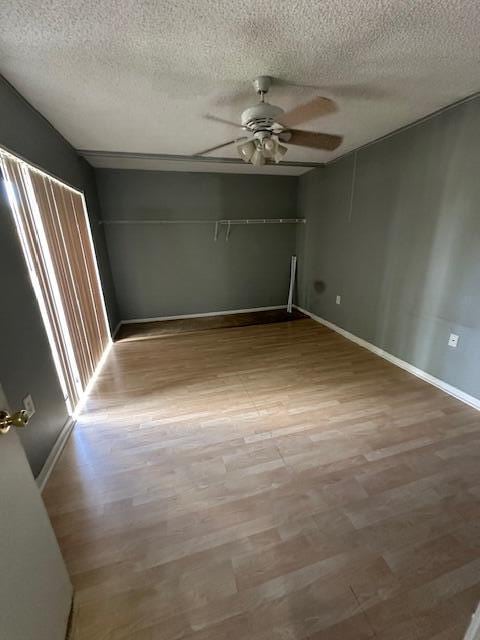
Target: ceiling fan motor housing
<point>260,117</point>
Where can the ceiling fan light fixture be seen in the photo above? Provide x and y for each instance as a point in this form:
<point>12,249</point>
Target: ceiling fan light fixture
<point>280,151</point>
<point>247,150</point>
<point>258,158</point>
<point>269,147</point>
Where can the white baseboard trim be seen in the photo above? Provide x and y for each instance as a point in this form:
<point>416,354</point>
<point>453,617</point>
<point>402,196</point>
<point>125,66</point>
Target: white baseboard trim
<point>199,315</point>
<point>419,373</point>
<point>54,454</point>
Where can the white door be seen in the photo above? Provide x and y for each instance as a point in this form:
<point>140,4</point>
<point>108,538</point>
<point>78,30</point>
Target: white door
<point>35,590</point>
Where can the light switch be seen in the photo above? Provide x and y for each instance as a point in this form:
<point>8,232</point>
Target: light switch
<point>453,340</point>
<point>339,299</point>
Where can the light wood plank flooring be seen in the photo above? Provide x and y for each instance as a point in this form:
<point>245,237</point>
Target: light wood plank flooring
<point>272,482</point>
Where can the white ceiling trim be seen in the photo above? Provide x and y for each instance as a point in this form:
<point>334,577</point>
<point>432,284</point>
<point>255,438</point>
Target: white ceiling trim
<point>155,162</point>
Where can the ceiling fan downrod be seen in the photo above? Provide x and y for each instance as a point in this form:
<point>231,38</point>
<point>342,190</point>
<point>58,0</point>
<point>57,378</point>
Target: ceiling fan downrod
<point>261,85</point>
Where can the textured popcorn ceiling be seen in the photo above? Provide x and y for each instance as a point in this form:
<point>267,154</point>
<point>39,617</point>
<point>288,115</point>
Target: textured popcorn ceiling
<point>139,76</point>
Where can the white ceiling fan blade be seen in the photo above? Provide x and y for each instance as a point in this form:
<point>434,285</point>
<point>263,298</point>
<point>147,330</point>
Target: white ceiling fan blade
<point>222,121</point>
<point>218,146</point>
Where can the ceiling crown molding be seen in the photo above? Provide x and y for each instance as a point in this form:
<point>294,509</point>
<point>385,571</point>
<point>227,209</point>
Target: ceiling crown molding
<point>166,162</point>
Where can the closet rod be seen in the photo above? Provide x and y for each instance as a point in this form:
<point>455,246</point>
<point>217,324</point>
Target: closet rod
<point>227,222</point>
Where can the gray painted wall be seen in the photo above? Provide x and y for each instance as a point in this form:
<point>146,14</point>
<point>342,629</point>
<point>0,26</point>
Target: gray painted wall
<point>398,237</point>
<point>26,364</point>
<point>163,270</point>
<point>24,131</point>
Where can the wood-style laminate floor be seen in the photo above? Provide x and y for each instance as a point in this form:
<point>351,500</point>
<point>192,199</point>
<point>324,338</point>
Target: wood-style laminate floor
<point>272,482</point>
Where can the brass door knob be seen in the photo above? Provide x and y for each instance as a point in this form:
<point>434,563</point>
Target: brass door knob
<point>17,419</point>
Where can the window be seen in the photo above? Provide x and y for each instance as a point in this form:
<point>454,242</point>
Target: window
<point>52,223</point>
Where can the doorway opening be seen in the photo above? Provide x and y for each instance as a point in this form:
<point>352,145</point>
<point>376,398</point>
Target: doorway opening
<point>54,232</point>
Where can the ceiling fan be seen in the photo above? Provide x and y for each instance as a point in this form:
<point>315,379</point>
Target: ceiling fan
<point>268,126</point>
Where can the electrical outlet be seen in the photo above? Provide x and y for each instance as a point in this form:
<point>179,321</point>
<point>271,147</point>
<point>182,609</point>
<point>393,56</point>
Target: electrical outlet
<point>453,340</point>
<point>339,299</point>
<point>28,405</point>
